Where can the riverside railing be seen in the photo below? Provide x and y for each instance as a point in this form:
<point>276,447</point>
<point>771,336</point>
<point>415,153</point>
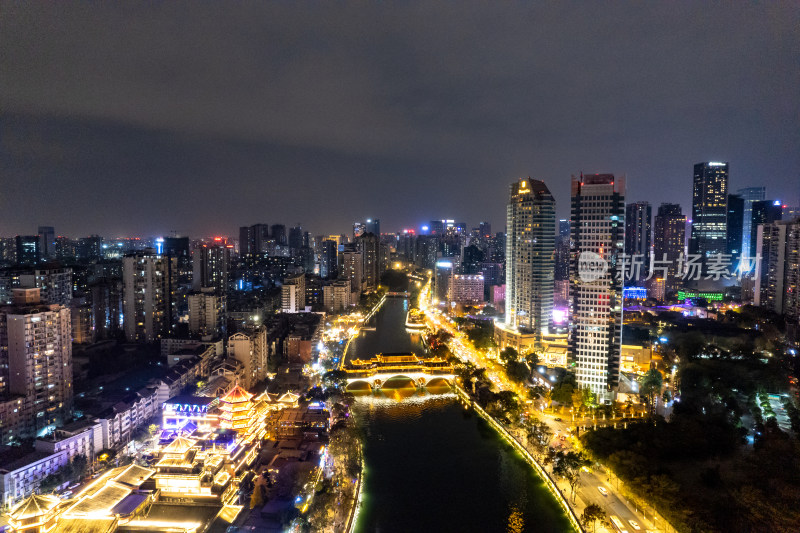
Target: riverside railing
<point>511,439</point>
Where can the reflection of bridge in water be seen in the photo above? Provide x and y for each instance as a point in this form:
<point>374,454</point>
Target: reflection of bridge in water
<point>382,367</point>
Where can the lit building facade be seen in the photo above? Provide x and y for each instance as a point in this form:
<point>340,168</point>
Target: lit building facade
<point>149,286</point>
<point>530,256</point>
<point>669,238</point>
<point>709,209</point>
<point>35,364</point>
<point>598,227</point>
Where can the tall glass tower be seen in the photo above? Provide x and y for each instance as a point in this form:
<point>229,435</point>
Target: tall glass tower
<point>530,256</point>
<point>749,195</point>
<point>709,209</point>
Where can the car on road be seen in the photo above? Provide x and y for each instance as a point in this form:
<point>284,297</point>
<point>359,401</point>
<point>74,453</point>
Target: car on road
<point>603,490</point>
<point>618,524</point>
<point>557,419</point>
<point>635,525</point>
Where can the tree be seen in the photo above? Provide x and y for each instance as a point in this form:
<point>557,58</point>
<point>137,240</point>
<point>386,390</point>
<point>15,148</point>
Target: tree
<point>517,371</point>
<point>334,378</point>
<point>568,466</point>
<point>591,514</point>
<point>650,385</point>
<point>508,354</point>
<point>532,358</point>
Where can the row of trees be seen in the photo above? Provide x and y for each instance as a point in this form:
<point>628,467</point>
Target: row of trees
<point>70,472</point>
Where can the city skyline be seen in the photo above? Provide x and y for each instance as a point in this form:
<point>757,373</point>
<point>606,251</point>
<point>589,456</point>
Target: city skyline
<point>365,116</point>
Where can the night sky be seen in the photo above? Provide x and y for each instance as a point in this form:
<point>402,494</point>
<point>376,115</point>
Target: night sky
<point>201,117</point>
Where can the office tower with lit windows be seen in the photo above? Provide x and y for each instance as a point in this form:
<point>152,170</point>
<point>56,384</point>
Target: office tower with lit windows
<point>359,229</point>
<point>749,195</point>
<point>735,227</point>
<point>29,250</point>
<point>35,366</point>
<point>210,265</point>
<point>352,269</point>
<point>597,243</point>
<point>149,295</point>
<point>563,228</point>
<point>530,257</point>
<point>669,237</point>
<point>709,209</point>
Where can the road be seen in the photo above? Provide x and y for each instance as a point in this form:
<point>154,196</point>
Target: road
<point>587,491</point>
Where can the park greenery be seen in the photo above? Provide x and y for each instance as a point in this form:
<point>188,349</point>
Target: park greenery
<point>697,468</point>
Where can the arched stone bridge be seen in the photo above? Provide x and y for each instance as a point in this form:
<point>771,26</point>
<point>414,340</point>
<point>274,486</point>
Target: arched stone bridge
<point>383,367</point>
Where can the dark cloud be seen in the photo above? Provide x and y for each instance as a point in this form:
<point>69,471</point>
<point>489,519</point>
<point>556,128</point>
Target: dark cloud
<point>201,117</point>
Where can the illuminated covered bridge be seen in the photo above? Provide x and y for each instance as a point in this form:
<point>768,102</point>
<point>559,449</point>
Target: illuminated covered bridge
<point>385,366</point>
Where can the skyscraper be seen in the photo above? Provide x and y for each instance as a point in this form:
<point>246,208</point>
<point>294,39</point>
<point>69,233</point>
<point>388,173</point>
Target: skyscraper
<point>373,225</point>
<point>47,241</point>
<point>669,236</point>
<point>598,228</point>
<point>296,237</point>
<point>563,228</point>
<point>638,217</point>
<point>749,195</point>
<point>278,233</point>
<point>709,209</point>
<point>735,226</point>
<point>530,256</point>
<point>328,265</point>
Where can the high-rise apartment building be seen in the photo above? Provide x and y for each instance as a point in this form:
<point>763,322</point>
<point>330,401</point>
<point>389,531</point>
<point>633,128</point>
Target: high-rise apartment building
<point>763,212</point>
<point>709,209</point>
<point>369,247</point>
<point>352,269</point>
<point>293,294</point>
<point>598,239</point>
<point>210,265</point>
<point>328,257</point>
<point>638,220</point>
<point>778,277</point>
<point>53,281</point>
<point>749,195</point>
<point>530,256</point>
<point>149,291</point>
<point>207,313</point>
<point>336,296</point>
<point>669,237</point>
<point>35,366</point>
<point>250,348</point>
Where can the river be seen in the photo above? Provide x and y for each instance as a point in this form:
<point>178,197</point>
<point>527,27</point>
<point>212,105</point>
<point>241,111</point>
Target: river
<point>432,466</point>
